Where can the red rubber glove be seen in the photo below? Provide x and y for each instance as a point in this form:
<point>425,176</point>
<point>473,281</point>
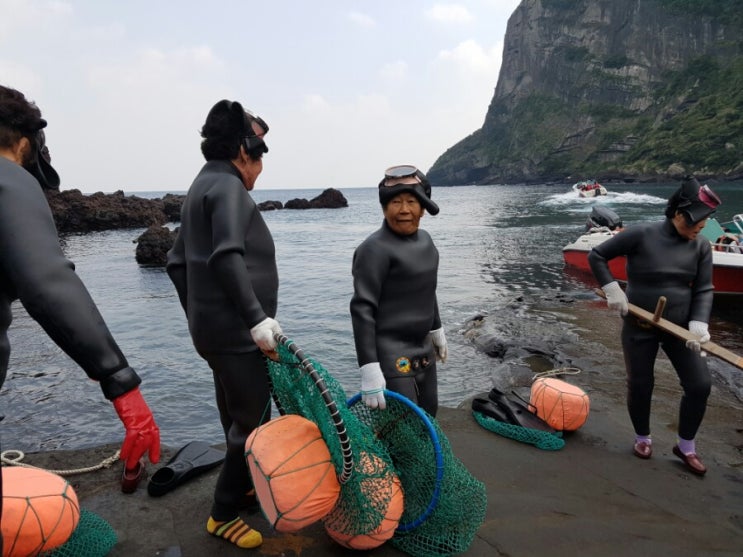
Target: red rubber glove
<point>142,433</point>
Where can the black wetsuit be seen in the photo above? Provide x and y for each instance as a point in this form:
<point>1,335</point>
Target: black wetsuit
<point>662,263</point>
<point>394,308</point>
<point>34,270</point>
<point>223,265</point>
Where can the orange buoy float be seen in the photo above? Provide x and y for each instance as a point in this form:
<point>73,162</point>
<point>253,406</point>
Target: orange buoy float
<point>562,405</point>
<point>384,486</point>
<point>40,511</point>
<point>294,477</point>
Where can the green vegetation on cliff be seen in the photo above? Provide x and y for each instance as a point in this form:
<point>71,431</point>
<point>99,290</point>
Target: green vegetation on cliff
<point>615,89</point>
<point>707,131</point>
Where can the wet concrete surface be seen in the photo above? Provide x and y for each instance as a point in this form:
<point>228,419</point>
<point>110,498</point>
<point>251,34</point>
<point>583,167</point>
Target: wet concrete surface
<point>592,497</point>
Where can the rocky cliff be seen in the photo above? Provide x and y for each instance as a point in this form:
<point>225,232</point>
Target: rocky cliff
<point>612,89</point>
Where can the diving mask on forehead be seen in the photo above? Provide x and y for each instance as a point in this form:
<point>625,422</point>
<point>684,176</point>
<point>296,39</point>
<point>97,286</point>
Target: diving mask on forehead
<point>407,178</point>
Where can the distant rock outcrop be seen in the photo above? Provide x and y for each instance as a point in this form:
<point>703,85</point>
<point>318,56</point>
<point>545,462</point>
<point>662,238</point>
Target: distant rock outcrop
<point>75,212</point>
<point>297,203</point>
<point>329,199</point>
<point>270,206</point>
<point>153,245</point>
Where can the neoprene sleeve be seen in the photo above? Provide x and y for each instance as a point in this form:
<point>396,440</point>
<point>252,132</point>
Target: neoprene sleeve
<point>34,270</point>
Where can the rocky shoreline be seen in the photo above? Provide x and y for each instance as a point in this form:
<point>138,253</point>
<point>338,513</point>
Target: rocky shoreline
<point>75,212</point>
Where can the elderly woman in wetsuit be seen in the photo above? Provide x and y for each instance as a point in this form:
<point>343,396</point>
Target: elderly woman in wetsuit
<point>223,266</point>
<point>395,315</point>
<point>666,258</point>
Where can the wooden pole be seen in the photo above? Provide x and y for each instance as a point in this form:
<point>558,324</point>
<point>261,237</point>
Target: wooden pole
<point>659,309</point>
<point>656,320</point>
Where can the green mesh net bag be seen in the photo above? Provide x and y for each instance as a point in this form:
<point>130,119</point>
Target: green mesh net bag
<point>93,537</point>
<point>302,386</point>
<point>541,439</point>
<point>444,504</point>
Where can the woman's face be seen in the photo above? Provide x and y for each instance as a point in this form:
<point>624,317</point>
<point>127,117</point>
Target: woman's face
<point>249,169</point>
<point>403,214</point>
<point>684,229</point>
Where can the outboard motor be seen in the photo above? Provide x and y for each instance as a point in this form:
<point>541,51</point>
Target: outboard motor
<point>603,217</point>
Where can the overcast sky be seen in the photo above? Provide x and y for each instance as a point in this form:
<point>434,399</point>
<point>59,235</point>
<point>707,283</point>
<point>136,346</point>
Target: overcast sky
<point>347,87</point>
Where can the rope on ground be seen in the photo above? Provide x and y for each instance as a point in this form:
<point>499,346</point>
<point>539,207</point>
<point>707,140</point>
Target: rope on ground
<point>14,457</point>
<point>557,372</point>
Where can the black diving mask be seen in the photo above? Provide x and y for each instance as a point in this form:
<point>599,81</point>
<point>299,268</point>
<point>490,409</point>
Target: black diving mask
<point>40,165</point>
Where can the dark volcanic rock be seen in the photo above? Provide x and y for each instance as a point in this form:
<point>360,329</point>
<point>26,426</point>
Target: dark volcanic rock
<point>75,212</point>
<point>329,199</point>
<point>172,206</point>
<point>270,206</point>
<point>153,245</point>
<point>297,203</point>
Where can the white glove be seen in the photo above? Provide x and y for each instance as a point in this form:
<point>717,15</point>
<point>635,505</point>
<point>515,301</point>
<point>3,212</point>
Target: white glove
<point>616,299</point>
<point>701,330</point>
<point>439,342</point>
<point>372,386</point>
<point>263,334</point>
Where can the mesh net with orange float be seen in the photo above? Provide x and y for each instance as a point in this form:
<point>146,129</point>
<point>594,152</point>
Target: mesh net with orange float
<point>42,515</point>
<point>369,476</point>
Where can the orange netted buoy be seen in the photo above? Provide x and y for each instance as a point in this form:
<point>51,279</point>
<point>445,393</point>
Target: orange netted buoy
<point>40,511</point>
<point>562,405</point>
<point>384,486</point>
<point>294,476</point>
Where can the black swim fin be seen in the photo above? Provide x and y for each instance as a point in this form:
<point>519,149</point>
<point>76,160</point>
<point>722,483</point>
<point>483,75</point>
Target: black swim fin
<point>518,413</point>
<point>191,460</point>
<point>488,408</point>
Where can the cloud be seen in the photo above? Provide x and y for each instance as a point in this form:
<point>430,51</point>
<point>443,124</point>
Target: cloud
<point>394,70</point>
<point>464,79</point>
<point>20,17</point>
<point>104,33</point>
<point>154,68</point>
<point>315,103</point>
<point>338,143</point>
<point>20,77</point>
<point>362,20</point>
<point>449,13</point>
<point>126,97</point>
<point>470,56</point>
<point>138,114</point>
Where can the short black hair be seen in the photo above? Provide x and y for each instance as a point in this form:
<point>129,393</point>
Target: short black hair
<point>226,125</point>
<point>19,117</point>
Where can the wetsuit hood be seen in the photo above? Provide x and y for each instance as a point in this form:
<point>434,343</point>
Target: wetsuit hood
<point>417,184</point>
<point>694,201</point>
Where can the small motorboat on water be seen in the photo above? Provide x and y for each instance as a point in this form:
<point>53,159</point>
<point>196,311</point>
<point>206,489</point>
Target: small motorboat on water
<point>589,188</point>
<point>726,239</point>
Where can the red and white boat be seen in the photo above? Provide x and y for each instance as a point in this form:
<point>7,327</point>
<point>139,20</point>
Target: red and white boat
<point>726,240</point>
<point>589,188</point>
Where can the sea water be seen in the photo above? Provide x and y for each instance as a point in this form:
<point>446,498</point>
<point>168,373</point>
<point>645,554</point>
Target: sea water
<point>497,244</point>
